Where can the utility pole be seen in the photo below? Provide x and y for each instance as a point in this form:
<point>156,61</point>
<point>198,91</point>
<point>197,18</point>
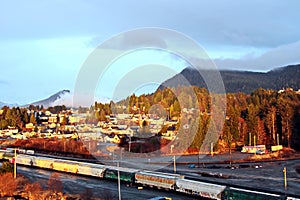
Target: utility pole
<point>254,145</point>
<point>249,138</point>
<point>119,182</point>
<point>277,139</point>
<point>199,158</point>
<point>129,148</point>
<point>15,163</point>
<point>285,179</point>
<point>174,164</point>
<point>212,149</point>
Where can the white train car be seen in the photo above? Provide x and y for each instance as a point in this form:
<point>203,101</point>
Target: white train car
<point>69,166</point>
<point>35,161</point>
<point>24,160</point>
<point>157,179</point>
<point>91,169</point>
<point>207,190</point>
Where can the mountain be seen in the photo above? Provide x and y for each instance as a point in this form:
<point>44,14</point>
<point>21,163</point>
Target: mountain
<point>8,104</point>
<point>63,97</point>
<point>242,81</point>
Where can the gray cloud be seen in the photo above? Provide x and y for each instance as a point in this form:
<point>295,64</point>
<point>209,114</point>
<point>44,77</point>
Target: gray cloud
<point>132,40</point>
<point>248,23</point>
<point>277,57</point>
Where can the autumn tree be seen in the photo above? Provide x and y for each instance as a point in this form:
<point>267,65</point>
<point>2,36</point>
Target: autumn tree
<point>34,190</point>
<point>54,183</point>
<point>271,121</point>
<point>32,119</point>
<point>8,184</point>
<point>6,167</point>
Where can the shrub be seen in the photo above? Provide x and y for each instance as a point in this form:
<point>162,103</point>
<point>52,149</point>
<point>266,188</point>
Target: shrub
<point>8,184</point>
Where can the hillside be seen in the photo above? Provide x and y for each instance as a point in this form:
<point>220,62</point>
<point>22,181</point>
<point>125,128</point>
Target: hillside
<point>63,97</point>
<point>244,81</point>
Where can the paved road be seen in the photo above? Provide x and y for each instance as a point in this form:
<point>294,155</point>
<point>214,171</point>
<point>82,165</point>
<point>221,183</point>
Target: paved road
<point>260,175</point>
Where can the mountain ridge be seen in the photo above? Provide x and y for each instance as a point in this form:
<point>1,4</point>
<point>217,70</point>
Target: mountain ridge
<point>242,81</point>
<point>55,99</point>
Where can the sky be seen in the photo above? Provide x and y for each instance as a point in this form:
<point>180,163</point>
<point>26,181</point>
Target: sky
<point>44,44</point>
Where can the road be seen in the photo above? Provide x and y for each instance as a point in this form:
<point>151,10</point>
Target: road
<point>258,175</point>
<point>97,187</point>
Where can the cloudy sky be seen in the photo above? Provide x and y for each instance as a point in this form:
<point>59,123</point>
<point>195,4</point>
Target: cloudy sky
<point>43,44</point>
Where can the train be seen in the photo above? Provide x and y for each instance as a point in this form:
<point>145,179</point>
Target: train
<point>153,179</point>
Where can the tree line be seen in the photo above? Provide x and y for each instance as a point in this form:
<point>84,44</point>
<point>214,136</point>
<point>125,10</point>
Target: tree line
<point>267,116</point>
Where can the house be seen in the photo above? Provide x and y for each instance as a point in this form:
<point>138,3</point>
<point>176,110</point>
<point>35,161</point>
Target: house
<point>52,118</point>
<point>29,127</point>
<point>115,139</point>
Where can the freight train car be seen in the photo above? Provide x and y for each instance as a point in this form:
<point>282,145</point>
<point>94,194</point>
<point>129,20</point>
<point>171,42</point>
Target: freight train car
<point>69,166</point>
<point>207,190</point>
<point>148,178</point>
<point>231,193</point>
<point>8,156</point>
<point>65,166</point>
<point>43,162</point>
<point>24,160</point>
<point>126,174</point>
<point>156,179</point>
<point>35,161</point>
<point>90,169</point>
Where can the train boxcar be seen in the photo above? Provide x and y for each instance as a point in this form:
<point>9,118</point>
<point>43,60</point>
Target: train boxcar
<point>231,193</point>
<point>208,190</point>
<point>90,169</point>
<point>24,160</point>
<point>44,162</point>
<point>156,179</point>
<point>126,174</point>
<point>8,156</point>
<point>35,161</point>
<point>65,166</point>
